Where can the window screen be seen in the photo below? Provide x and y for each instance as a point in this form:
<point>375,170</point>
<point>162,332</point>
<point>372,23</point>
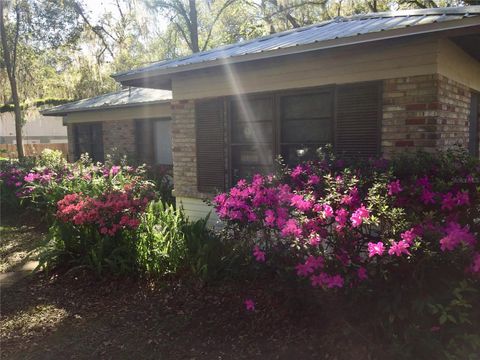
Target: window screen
<point>251,136</point>
<point>162,130</point>
<point>306,124</point>
<point>89,139</point>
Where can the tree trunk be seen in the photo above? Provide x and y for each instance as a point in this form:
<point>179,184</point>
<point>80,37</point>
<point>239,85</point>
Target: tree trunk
<point>13,82</point>
<point>193,26</point>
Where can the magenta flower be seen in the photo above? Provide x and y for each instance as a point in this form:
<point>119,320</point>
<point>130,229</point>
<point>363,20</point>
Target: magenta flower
<point>258,254</point>
<point>31,177</point>
<point>448,201</point>
<point>394,187</point>
<point>455,235</point>
<point>399,248</point>
<point>359,215</point>
<point>303,270</point>
<point>313,180</point>
<point>375,249</point>
<point>335,281</point>
<point>427,197</point>
<point>408,236</point>
<point>327,211</point>
<point>476,263</point>
<point>291,228</point>
<point>362,273</point>
<point>462,198</point>
<point>341,218</point>
<point>300,203</point>
<point>315,240</point>
<point>249,304</point>
<point>270,218</point>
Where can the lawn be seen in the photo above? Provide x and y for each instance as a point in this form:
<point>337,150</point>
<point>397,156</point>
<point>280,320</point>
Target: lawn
<point>76,316</point>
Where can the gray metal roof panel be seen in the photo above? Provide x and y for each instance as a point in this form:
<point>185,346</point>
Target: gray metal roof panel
<point>327,30</point>
<point>123,98</point>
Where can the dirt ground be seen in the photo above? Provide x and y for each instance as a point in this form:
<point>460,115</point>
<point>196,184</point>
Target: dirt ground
<point>79,317</point>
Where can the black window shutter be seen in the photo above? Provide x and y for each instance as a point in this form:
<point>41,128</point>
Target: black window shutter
<point>210,145</point>
<point>358,117</point>
<point>473,128</point>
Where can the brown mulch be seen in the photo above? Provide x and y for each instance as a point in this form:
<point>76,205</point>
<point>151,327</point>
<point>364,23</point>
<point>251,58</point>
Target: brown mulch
<point>76,316</point>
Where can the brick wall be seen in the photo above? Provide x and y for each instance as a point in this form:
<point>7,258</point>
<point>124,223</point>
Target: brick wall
<point>454,111</point>
<point>119,137</point>
<point>184,148</point>
<point>426,112</point>
<point>410,112</point>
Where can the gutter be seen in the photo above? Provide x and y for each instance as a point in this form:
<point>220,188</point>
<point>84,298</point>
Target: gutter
<point>52,112</point>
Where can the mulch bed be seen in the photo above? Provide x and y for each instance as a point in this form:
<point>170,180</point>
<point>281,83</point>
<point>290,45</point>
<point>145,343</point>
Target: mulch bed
<point>78,317</point>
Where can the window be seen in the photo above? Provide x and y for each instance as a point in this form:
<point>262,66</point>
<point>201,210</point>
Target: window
<point>251,144</point>
<point>162,143</point>
<point>297,124</point>
<point>88,138</point>
<point>306,124</point>
<point>153,139</point>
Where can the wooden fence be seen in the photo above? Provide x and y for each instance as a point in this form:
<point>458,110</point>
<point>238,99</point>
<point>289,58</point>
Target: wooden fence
<point>10,150</point>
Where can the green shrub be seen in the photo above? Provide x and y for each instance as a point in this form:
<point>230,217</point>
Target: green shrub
<point>160,240</point>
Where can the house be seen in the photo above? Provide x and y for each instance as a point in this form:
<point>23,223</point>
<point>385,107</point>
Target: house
<point>369,85</point>
<point>134,122</point>
<point>38,132</point>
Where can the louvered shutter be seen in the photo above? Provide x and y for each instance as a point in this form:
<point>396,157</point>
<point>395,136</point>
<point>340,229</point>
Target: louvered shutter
<point>473,124</point>
<point>358,115</point>
<point>210,145</point>
<point>144,140</point>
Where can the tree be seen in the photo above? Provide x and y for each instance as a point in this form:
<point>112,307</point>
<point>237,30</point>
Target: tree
<point>36,25</point>
<point>10,60</point>
<point>184,16</point>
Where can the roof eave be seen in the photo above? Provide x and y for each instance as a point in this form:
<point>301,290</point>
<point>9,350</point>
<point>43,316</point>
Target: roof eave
<point>47,112</point>
<point>328,44</point>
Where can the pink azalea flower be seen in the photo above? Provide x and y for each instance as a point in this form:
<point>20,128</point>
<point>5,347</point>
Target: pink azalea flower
<point>476,263</point>
<point>408,236</point>
<point>327,211</point>
<point>335,281</point>
<point>359,215</point>
<point>399,248</point>
<point>375,249</point>
<point>303,270</point>
<point>394,187</point>
<point>319,280</point>
<point>258,254</point>
<point>448,201</point>
<point>313,180</point>
<point>269,218</point>
<point>455,235</point>
<point>314,240</point>
<point>462,198</point>
<point>249,304</point>
<point>427,197</point>
<point>291,228</point>
<point>362,273</point>
<point>315,262</point>
<point>341,218</point>
<point>300,203</point>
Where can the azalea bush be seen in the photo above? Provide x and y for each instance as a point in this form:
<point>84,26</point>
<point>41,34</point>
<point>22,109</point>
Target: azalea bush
<point>399,228</point>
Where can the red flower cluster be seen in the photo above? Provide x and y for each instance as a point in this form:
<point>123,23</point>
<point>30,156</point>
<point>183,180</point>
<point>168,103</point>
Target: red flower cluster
<point>110,213</point>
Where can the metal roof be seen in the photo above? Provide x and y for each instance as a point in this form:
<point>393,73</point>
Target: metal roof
<point>118,99</point>
<point>337,29</point>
